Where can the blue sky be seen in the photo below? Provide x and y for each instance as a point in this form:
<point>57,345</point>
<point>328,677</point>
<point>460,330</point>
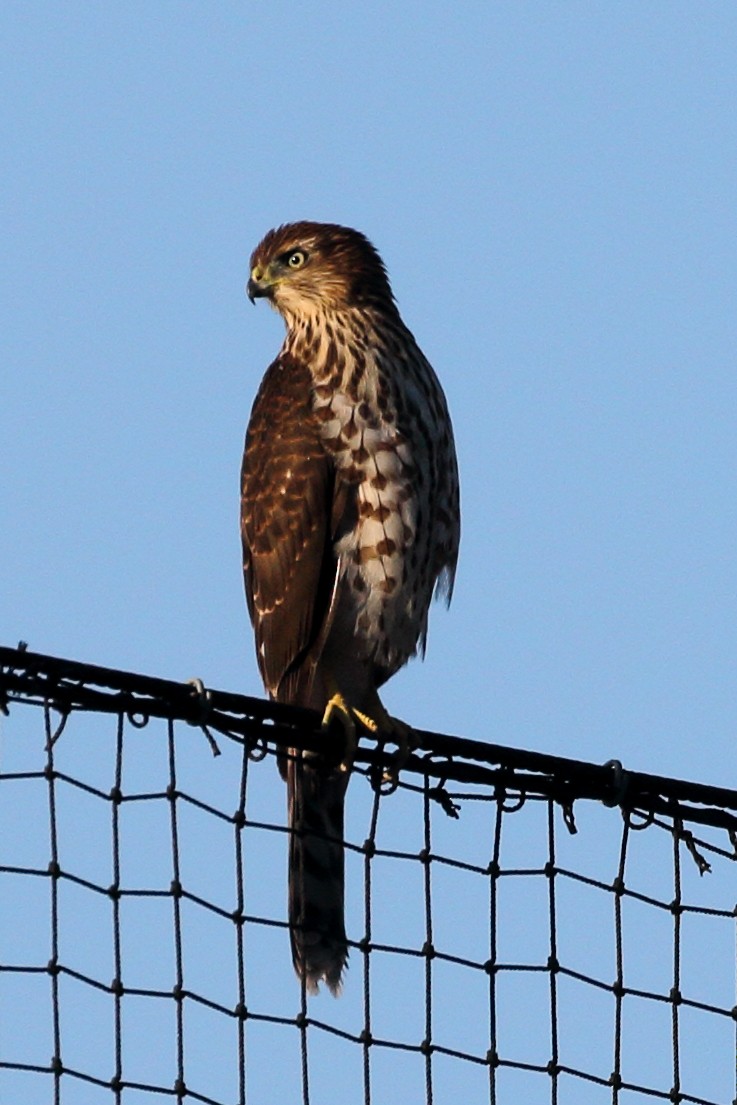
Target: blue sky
<point>553,190</point>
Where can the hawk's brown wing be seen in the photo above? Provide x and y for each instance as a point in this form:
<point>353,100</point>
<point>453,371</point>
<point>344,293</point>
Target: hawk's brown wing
<point>289,510</point>
<point>292,506</point>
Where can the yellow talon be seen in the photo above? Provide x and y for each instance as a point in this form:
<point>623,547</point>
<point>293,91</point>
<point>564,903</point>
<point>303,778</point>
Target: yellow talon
<point>401,734</point>
<point>338,709</point>
<point>378,723</point>
<point>367,722</point>
<point>382,723</point>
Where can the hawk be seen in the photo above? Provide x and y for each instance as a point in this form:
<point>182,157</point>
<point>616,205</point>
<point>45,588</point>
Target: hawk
<point>350,521</point>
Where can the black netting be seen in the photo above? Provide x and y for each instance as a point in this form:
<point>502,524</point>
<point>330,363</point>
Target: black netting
<point>523,928</point>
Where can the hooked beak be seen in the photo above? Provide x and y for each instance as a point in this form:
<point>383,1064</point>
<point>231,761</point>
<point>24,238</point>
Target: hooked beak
<point>255,291</point>
<point>258,287</point>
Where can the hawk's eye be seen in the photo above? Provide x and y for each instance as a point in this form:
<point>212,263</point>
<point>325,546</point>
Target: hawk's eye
<point>296,259</point>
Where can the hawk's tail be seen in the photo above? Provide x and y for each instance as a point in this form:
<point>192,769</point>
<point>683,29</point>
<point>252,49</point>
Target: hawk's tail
<point>316,798</point>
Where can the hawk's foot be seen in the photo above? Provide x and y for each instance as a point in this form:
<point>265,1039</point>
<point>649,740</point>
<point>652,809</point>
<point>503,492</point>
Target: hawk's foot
<point>339,712</point>
<point>378,723</point>
<point>381,723</point>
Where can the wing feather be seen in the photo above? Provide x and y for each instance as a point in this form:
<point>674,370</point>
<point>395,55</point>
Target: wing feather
<point>288,495</point>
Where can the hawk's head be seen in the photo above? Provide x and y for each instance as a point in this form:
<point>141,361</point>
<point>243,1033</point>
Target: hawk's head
<point>305,268</point>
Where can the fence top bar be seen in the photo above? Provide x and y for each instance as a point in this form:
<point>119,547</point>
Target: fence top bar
<point>68,684</point>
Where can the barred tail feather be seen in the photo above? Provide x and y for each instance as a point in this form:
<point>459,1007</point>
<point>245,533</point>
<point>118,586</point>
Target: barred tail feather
<point>316,797</point>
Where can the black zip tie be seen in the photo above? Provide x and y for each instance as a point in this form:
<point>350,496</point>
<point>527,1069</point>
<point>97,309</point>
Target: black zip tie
<point>203,699</point>
<point>569,818</point>
<point>620,784</point>
<point>258,750</point>
<point>438,793</point>
<point>441,796</point>
<point>701,861</point>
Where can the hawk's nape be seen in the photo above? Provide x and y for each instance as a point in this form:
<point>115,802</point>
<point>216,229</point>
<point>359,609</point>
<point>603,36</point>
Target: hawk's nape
<point>350,520</point>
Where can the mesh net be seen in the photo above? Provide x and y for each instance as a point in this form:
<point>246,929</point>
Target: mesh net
<point>522,927</point>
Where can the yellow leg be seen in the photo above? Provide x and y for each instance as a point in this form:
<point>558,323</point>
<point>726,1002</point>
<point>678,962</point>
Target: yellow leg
<point>377,722</point>
<point>382,723</point>
<point>338,710</point>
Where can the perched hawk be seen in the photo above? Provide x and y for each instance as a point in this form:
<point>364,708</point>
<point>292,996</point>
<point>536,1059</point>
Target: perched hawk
<point>350,519</point>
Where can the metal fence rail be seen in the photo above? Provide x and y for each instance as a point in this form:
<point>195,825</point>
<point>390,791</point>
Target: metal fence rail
<point>523,927</point>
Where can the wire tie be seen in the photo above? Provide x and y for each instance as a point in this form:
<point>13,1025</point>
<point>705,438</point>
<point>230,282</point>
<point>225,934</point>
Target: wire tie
<point>257,749</point>
<point>204,709</point>
<point>438,793</point>
<point>701,861</point>
<point>619,784</point>
<point>569,819</point>
<point>441,796</point>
